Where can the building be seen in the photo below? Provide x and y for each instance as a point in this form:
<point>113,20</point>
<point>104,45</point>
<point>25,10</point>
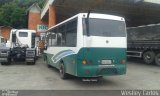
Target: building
<point>136,12</point>
<point>5,31</point>
<point>34,20</point>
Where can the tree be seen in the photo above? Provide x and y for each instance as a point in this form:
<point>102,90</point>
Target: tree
<point>18,18</point>
<point>12,15</point>
<point>13,12</point>
<point>4,1</point>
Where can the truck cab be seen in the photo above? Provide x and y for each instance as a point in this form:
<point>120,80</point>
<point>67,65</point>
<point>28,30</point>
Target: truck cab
<point>20,46</point>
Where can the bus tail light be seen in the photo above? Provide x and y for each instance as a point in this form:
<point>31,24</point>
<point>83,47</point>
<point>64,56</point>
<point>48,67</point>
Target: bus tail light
<point>123,61</point>
<point>86,62</point>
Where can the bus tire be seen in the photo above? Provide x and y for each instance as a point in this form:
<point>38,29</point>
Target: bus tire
<point>157,59</point>
<point>49,66</point>
<point>63,75</point>
<point>148,57</point>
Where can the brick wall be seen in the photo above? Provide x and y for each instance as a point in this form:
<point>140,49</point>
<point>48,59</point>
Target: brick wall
<point>34,17</point>
<point>52,16</point>
<point>5,32</point>
<point>33,20</point>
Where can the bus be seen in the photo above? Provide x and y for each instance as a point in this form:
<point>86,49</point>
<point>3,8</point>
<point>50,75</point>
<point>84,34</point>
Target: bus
<point>87,45</point>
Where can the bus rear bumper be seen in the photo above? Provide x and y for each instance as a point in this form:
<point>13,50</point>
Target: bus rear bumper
<point>101,70</point>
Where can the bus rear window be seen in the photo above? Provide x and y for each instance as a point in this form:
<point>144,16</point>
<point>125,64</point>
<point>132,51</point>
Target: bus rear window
<point>106,28</point>
<point>23,34</point>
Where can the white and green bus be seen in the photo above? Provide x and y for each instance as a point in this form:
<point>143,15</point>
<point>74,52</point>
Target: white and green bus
<point>88,45</point>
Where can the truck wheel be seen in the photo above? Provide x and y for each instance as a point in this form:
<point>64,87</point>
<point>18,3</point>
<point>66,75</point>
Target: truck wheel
<point>157,59</point>
<point>5,63</point>
<point>31,63</point>
<point>63,75</point>
<point>149,57</point>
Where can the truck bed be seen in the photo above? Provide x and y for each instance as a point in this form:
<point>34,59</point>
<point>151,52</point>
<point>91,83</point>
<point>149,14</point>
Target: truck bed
<point>144,44</point>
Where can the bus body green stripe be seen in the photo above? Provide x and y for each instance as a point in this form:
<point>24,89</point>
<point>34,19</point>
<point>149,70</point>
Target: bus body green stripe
<point>73,63</point>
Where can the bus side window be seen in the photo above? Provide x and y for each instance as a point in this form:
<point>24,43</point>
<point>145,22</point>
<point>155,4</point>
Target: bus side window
<point>49,39</point>
<point>59,39</point>
<point>46,40</point>
<point>71,33</point>
<point>54,39</point>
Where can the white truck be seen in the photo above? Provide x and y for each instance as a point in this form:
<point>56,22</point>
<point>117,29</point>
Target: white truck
<point>20,47</point>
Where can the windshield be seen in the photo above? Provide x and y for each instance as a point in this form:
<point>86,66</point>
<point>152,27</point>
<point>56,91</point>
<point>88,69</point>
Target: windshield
<point>33,39</point>
<point>104,27</point>
<point>23,34</point>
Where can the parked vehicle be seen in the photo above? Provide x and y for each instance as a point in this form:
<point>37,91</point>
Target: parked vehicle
<point>144,42</point>
<point>19,47</point>
<point>87,45</point>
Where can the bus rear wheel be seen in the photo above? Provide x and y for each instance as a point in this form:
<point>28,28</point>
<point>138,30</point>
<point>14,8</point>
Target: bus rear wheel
<point>157,59</point>
<point>63,75</point>
<point>149,57</point>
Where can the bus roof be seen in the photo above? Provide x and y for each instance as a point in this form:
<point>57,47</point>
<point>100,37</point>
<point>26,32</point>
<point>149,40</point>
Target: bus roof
<point>92,15</point>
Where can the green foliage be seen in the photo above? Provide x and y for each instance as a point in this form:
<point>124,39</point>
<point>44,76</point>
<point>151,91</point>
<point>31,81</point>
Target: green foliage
<point>4,1</point>
<point>14,12</point>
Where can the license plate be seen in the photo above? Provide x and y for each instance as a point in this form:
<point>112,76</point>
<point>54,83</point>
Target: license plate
<point>106,62</point>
